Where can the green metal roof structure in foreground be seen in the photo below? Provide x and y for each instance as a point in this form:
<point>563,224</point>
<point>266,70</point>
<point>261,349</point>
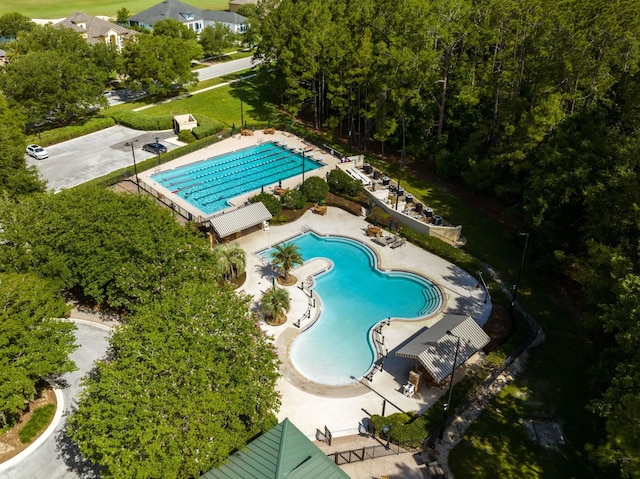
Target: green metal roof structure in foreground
<point>282,452</point>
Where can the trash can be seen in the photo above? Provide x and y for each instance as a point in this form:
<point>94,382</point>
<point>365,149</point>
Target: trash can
<point>428,212</point>
<point>418,207</point>
<point>376,175</point>
<point>385,181</point>
<point>408,198</point>
<point>437,220</point>
<point>400,191</point>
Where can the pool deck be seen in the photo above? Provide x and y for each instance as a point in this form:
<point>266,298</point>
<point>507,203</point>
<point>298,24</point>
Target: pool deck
<point>234,143</point>
<point>342,410</point>
<point>312,406</point>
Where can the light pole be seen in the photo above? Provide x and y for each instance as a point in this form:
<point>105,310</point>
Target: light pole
<point>302,186</point>
<point>135,166</point>
<point>517,283</point>
<point>241,112</point>
<point>401,164</point>
<point>447,405</point>
<point>486,290</point>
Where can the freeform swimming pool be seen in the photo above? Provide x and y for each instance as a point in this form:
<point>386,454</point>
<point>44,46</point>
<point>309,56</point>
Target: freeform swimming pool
<point>355,295</point>
<point>209,184</point>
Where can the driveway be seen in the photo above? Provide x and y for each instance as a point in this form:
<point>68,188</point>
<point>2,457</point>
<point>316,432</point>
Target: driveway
<point>82,159</point>
<point>57,457</point>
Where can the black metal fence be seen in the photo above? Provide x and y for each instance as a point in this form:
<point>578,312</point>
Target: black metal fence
<point>364,453</point>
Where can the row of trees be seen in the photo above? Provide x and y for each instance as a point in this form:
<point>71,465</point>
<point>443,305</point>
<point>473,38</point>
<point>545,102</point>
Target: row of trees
<point>189,376</point>
<point>533,102</point>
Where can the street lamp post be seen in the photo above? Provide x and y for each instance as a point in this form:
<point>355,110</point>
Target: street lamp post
<point>241,112</point>
<point>135,166</point>
<point>486,290</point>
<point>447,405</point>
<point>302,186</point>
<point>517,283</point>
<point>401,164</point>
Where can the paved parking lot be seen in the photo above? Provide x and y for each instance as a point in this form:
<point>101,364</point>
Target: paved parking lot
<point>82,159</point>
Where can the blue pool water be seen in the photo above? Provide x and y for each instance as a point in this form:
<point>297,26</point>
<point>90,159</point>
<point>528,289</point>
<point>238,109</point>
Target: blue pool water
<point>355,296</point>
<point>209,184</point>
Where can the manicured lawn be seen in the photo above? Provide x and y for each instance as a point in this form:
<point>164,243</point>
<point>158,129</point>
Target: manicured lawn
<point>58,9</point>
<point>224,103</point>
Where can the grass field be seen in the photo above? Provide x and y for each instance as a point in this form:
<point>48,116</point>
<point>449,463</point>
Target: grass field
<point>56,9</point>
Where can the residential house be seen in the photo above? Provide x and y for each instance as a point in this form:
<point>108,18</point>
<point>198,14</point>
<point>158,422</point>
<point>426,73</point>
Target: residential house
<point>97,30</point>
<point>235,4</point>
<point>193,17</point>
<point>233,21</point>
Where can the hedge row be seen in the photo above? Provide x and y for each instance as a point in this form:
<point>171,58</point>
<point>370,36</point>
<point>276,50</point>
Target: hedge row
<point>140,121</point>
<point>206,127</point>
<point>58,135</point>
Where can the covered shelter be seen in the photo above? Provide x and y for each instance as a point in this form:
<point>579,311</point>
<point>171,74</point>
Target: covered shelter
<point>282,452</point>
<point>434,349</point>
<point>184,122</point>
<point>246,218</point>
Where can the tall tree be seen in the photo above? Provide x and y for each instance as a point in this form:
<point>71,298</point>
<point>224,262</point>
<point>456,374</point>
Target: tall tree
<point>52,75</point>
<point>285,257</point>
<point>114,250</point>
<point>160,63</point>
<point>232,260</point>
<point>190,379</point>
<point>11,24</point>
<point>275,303</point>
<point>174,29</point>
<point>15,177</point>
<point>215,39</point>
<point>34,346</point>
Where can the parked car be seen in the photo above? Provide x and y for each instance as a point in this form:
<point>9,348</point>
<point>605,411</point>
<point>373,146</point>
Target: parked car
<point>37,152</point>
<point>155,148</point>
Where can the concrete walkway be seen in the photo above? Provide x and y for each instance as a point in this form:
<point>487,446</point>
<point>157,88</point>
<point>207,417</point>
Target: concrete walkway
<point>53,455</point>
<point>342,410</point>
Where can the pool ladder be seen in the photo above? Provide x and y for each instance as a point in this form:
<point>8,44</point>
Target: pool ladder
<point>381,350</point>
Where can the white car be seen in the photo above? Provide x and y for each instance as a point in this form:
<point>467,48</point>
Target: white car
<point>37,152</point>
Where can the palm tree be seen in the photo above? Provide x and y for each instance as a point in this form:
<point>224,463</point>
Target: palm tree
<point>233,261</point>
<point>275,304</point>
<point>285,257</point>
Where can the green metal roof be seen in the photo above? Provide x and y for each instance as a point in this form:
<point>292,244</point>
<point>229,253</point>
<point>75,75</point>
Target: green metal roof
<point>282,452</point>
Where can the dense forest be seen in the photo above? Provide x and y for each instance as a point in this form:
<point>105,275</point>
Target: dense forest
<point>534,103</point>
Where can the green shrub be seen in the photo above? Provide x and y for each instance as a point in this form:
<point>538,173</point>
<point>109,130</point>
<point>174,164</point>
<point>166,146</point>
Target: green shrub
<point>186,136</point>
<point>294,200</point>
<point>40,418</point>
<point>271,202</point>
<point>340,182</point>
<point>315,189</point>
<point>206,127</point>
<point>140,121</point>
<point>58,135</point>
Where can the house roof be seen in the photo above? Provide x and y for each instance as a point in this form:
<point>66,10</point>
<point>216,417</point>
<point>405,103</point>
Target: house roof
<point>220,16</point>
<point>95,28</point>
<point>435,349</point>
<point>240,219</point>
<point>282,452</point>
<point>174,9</point>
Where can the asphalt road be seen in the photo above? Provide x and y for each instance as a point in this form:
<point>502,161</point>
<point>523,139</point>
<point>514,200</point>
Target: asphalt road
<point>82,159</point>
<point>57,457</point>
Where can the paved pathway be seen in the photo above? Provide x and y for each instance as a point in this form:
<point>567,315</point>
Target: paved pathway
<point>54,456</point>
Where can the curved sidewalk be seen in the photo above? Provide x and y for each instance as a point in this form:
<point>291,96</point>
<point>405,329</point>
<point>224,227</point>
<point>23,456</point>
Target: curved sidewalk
<point>53,452</point>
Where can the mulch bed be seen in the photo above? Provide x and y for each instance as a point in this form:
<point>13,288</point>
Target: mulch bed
<point>10,444</point>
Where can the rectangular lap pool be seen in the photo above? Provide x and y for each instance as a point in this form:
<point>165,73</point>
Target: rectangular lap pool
<point>209,184</point>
